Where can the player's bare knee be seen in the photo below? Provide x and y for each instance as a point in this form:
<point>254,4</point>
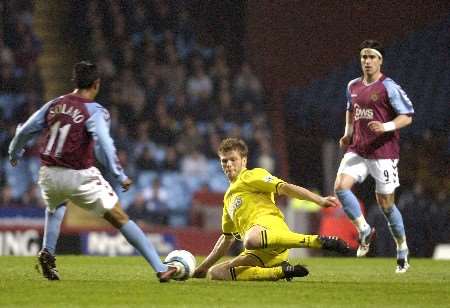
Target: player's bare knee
<point>385,201</point>
<point>252,242</point>
<point>116,216</point>
<point>252,239</point>
<point>216,273</point>
<point>343,182</point>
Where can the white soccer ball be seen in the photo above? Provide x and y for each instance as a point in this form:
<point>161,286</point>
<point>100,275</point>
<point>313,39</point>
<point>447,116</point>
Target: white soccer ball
<point>184,261</point>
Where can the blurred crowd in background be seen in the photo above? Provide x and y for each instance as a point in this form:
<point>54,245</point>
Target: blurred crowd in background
<point>171,101</point>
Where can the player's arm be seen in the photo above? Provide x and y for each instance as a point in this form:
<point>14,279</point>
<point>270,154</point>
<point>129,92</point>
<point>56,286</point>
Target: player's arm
<point>400,121</point>
<point>25,132</point>
<point>221,247</point>
<point>105,151</point>
<point>402,106</point>
<point>298,192</point>
<point>346,139</point>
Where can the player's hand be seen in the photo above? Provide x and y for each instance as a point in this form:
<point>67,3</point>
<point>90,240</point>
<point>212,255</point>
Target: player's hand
<point>329,201</point>
<point>13,162</point>
<point>344,142</point>
<point>126,184</point>
<point>200,272</point>
<point>376,127</point>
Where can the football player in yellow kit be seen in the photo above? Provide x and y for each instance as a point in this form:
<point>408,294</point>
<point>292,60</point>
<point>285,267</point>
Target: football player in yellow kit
<point>251,215</point>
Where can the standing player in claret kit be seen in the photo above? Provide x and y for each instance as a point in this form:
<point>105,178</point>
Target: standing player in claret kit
<point>377,108</point>
<point>75,125</point>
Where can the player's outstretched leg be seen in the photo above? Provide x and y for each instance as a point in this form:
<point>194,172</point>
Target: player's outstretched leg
<point>136,237</point>
<point>47,263</point>
<point>333,243</point>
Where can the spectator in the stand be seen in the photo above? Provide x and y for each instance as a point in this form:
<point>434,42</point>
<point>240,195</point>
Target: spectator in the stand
<point>7,199</point>
<point>220,69</point>
<point>9,82</point>
<point>33,197</point>
<point>163,18</point>
<point>180,109</point>
<point>146,160</point>
<point>138,212</point>
<point>123,139</point>
<point>246,85</point>
<point>185,36</point>
<point>28,48</point>
<point>190,137</point>
<point>265,157</point>
<point>171,160</point>
<point>156,202</point>
<point>194,167</point>
<point>226,109</point>
<point>164,132</point>
<point>199,85</point>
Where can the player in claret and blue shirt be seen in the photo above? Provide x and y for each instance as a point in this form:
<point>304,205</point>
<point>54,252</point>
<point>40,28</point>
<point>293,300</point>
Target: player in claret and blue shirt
<point>377,108</point>
<point>75,128</point>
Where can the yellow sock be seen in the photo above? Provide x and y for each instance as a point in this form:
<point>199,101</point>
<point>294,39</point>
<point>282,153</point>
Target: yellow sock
<point>289,239</point>
<point>246,273</point>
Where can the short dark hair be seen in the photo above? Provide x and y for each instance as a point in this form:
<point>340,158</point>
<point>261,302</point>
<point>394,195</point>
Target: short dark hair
<point>233,144</point>
<point>372,44</point>
<point>84,74</point>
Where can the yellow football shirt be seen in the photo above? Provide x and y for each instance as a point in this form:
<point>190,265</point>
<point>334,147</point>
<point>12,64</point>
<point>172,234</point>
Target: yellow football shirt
<point>248,198</point>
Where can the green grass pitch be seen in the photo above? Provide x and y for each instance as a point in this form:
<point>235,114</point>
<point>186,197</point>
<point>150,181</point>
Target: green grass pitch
<point>129,282</point>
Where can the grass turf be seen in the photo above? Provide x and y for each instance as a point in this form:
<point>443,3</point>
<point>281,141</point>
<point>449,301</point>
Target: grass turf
<point>129,282</point>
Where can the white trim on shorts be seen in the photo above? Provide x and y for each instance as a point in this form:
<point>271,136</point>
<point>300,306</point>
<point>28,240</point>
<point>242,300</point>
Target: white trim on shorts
<point>383,171</point>
<point>86,188</point>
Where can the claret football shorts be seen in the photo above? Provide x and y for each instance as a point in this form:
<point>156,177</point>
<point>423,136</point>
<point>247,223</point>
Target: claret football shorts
<point>86,188</point>
<point>384,171</point>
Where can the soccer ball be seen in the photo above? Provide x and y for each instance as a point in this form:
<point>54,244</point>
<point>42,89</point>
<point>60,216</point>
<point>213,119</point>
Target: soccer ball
<point>184,261</point>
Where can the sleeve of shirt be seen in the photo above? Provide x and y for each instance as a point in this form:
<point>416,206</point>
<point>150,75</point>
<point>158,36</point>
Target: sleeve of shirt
<point>398,98</point>
<point>228,227</point>
<point>98,125</point>
<point>27,131</point>
<point>261,180</point>
<point>349,98</point>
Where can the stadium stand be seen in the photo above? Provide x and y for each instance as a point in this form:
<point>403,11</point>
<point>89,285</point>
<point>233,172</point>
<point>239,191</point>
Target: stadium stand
<point>171,101</point>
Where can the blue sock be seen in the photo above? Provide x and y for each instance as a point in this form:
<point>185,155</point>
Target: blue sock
<point>137,238</point>
<point>402,254</point>
<point>350,203</point>
<point>52,227</point>
<point>395,222</point>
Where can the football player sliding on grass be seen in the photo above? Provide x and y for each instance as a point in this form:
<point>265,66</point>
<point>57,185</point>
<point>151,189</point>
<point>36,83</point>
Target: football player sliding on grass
<point>250,214</point>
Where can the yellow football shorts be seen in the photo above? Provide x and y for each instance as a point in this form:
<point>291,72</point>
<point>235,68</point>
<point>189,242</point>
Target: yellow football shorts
<point>270,257</point>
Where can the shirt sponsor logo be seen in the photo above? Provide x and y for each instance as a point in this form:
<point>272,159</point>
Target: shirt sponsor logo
<point>363,113</point>
<point>237,202</point>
